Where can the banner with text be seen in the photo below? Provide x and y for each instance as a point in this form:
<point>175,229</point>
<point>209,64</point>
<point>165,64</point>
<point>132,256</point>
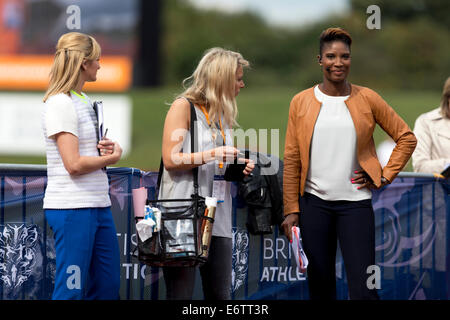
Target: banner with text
<point>412,241</point>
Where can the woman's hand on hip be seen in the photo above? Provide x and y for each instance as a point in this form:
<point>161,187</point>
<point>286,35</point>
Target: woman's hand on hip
<point>365,181</point>
<point>361,177</point>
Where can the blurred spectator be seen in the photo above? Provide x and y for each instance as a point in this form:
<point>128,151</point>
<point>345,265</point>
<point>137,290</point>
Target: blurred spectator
<point>11,23</point>
<point>432,129</point>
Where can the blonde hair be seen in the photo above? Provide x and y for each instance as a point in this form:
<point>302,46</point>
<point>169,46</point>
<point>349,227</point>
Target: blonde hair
<point>213,84</point>
<point>445,108</point>
<point>71,50</point>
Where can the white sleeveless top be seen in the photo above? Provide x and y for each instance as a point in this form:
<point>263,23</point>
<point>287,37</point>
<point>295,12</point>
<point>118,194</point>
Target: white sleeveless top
<point>179,184</point>
<point>74,115</point>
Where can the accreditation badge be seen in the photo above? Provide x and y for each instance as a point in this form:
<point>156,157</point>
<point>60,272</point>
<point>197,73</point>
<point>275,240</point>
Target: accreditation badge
<point>219,183</point>
<point>219,187</point>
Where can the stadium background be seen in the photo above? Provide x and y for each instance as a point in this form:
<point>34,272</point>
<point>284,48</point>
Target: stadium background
<point>157,44</point>
<point>150,46</point>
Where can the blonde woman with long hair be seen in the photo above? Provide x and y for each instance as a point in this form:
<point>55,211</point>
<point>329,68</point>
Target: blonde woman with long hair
<point>76,202</point>
<point>212,88</point>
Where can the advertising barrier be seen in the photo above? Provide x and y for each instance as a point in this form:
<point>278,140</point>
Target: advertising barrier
<point>31,72</point>
<point>412,241</point>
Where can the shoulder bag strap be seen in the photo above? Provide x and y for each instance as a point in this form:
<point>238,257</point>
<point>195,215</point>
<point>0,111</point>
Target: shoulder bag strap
<point>194,170</point>
<point>193,143</point>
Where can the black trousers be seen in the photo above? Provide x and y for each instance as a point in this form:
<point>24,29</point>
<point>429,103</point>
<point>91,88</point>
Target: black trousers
<point>322,224</point>
<point>215,274</point>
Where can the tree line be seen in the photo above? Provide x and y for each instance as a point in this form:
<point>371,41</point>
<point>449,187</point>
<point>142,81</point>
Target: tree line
<point>409,51</point>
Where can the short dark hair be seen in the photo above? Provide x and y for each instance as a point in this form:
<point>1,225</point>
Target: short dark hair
<point>334,34</point>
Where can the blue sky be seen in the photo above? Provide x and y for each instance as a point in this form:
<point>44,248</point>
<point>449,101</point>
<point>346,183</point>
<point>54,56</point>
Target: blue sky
<point>290,13</point>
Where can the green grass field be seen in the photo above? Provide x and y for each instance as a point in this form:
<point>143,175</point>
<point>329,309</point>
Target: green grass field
<point>259,108</point>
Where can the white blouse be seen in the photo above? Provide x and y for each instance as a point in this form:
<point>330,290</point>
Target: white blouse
<point>333,157</point>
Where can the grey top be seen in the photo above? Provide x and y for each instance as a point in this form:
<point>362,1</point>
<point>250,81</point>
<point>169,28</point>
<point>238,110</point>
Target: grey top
<point>179,184</point>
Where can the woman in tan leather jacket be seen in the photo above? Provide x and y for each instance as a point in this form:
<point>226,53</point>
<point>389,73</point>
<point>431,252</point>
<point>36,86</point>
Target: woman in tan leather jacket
<point>330,167</point>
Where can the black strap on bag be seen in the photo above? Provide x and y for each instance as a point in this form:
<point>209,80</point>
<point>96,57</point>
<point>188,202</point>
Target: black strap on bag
<point>193,141</point>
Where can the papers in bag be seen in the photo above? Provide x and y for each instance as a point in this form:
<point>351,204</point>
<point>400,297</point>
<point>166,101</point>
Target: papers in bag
<point>151,223</point>
<point>297,248</point>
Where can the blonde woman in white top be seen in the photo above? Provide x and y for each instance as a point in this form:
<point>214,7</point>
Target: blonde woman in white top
<point>76,201</point>
<point>212,89</point>
<point>432,129</point>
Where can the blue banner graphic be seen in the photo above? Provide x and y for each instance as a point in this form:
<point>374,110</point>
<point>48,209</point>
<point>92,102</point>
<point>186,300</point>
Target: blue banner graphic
<point>412,241</point>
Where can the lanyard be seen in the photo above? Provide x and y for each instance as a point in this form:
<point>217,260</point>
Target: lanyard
<point>221,129</point>
<point>209,123</point>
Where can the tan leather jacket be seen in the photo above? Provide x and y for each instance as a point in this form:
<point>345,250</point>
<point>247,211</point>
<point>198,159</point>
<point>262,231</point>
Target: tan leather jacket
<point>366,108</point>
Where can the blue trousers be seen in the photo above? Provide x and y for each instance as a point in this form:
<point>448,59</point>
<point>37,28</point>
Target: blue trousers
<point>87,254</point>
